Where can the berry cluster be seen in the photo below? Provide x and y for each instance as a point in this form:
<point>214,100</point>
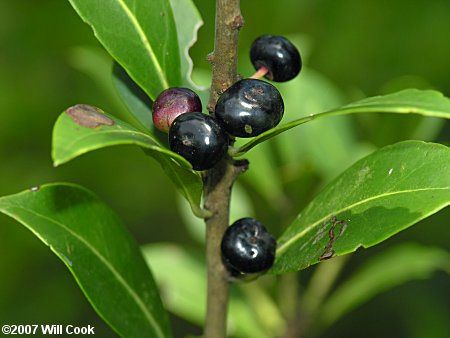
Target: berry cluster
<point>246,109</point>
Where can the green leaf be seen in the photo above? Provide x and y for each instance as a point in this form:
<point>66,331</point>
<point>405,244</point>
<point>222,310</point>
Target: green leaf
<point>188,21</point>
<point>181,276</point>
<point>378,196</point>
<point>140,35</point>
<point>83,128</point>
<point>408,101</point>
<point>387,270</point>
<point>98,250</point>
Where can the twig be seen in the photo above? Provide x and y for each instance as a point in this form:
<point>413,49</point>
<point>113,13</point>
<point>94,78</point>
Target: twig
<point>224,58</point>
<point>219,180</point>
<point>218,184</point>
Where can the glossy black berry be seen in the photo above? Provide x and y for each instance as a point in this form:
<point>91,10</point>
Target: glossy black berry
<point>249,107</point>
<point>199,139</point>
<point>247,247</point>
<point>278,55</point>
<point>171,103</point>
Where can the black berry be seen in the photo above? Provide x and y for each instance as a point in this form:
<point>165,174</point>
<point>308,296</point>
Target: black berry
<point>278,55</point>
<point>199,139</point>
<point>249,107</point>
<point>247,247</point>
<point>171,103</point>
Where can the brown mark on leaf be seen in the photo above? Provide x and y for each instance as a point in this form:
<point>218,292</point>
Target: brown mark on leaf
<point>329,252</point>
<point>88,116</point>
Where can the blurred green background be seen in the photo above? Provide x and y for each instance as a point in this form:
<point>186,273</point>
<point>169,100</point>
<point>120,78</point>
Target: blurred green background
<point>50,60</point>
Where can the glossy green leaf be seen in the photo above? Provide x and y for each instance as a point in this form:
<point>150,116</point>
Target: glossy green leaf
<point>75,134</point>
<point>140,35</point>
<point>378,196</point>
<point>387,270</point>
<point>98,250</point>
<point>181,276</point>
<point>408,101</point>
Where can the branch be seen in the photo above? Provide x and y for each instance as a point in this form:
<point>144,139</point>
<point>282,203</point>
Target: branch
<point>224,58</point>
<point>218,184</point>
<point>219,180</point>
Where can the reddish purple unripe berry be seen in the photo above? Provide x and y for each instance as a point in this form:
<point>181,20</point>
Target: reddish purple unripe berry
<point>171,103</point>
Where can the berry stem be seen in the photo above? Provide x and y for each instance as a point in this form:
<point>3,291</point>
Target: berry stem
<point>260,73</point>
<point>219,180</point>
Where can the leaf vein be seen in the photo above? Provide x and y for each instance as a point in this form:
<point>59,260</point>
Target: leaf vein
<point>146,43</point>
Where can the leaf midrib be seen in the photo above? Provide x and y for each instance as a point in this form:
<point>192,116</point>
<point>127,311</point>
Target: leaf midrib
<point>146,43</point>
<point>389,108</point>
<point>156,146</point>
<point>285,246</point>
<point>114,272</point>
<point>82,138</point>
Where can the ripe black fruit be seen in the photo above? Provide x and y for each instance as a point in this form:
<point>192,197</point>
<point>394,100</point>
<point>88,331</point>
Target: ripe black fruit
<point>278,55</point>
<point>199,139</point>
<point>249,107</point>
<point>247,247</point>
<point>171,103</point>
